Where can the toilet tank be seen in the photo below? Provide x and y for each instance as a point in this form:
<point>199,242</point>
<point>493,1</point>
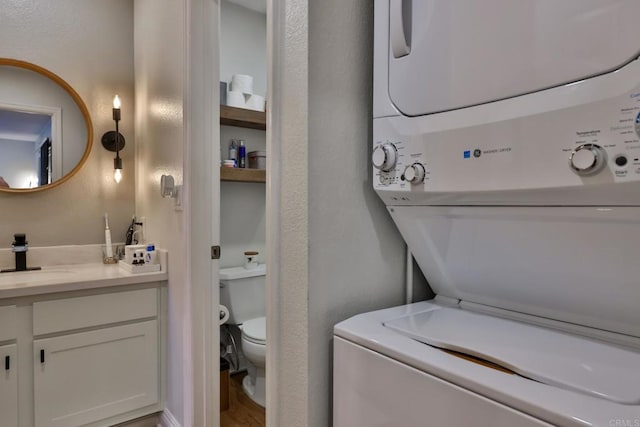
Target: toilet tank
<point>242,291</point>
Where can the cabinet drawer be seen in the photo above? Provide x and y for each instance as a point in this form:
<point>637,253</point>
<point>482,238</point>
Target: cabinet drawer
<point>95,310</point>
<point>8,322</point>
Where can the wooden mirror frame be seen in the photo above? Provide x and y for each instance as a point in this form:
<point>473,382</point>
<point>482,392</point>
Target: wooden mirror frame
<point>83,109</point>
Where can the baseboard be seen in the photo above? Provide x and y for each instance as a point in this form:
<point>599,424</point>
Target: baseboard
<point>146,421</point>
<point>168,420</point>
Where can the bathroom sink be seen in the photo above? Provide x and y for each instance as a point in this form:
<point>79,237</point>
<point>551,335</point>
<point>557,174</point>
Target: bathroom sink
<point>33,277</point>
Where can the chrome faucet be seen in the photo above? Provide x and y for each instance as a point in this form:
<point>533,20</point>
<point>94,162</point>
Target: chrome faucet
<point>20,246</point>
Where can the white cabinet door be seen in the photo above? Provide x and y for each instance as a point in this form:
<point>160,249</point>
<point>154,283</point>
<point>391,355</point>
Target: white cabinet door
<point>89,376</point>
<point>8,386</point>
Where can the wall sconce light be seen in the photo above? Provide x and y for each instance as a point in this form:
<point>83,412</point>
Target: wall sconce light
<point>114,141</point>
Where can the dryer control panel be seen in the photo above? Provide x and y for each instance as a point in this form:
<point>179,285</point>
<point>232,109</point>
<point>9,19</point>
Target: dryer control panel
<point>577,143</point>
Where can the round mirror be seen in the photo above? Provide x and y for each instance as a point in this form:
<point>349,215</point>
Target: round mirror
<point>45,128</point>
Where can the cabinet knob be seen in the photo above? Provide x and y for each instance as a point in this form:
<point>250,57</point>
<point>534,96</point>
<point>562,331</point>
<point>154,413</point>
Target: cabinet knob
<point>41,356</point>
<point>7,363</point>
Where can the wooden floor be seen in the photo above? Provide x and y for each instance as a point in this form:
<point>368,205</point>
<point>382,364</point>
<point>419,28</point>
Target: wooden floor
<point>242,412</point>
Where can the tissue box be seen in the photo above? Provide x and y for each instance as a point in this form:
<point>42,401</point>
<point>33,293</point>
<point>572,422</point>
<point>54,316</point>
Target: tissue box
<point>129,250</point>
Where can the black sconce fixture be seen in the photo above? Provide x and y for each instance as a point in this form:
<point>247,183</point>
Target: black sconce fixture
<point>114,141</point>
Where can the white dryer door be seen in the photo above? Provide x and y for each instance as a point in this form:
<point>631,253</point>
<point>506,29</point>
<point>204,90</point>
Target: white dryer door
<point>448,54</point>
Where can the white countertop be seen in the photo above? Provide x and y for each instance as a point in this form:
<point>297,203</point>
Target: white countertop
<point>64,278</point>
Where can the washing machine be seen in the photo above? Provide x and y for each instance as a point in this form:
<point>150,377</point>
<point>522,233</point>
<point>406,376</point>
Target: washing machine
<point>506,148</point>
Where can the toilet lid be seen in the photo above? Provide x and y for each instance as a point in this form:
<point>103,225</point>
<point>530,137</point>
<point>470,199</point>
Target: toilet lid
<point>255,329</point>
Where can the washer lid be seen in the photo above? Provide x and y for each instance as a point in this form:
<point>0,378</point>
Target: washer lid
<point>544,355</point>
<point>241,272</point>
<point>572,264</point>
<point>255,329</point>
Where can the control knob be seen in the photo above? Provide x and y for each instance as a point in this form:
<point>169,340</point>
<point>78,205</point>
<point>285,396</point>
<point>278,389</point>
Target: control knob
<point>384,157</point>
<point>587,159</point>
<point>414,173</point>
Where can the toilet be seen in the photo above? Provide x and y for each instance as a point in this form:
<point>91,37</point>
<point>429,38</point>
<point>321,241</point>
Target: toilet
<point>254,346</point>
<point>242,291</point>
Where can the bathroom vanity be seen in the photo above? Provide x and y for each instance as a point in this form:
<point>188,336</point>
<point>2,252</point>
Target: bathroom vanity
<point>81,345</point>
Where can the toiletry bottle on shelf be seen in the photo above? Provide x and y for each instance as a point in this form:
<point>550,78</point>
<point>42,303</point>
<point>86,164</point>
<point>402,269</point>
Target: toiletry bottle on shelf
<point>233,152</point>
<point>243,155</point>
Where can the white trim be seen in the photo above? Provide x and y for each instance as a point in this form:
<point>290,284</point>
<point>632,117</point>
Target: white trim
<point>56,131</point>
<point>202,205</point>
<point>168,420</point>
<point>272,213</point>
<point>287,213</point>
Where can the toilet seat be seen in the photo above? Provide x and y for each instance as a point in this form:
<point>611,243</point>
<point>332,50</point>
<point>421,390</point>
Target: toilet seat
<point>255,330</point>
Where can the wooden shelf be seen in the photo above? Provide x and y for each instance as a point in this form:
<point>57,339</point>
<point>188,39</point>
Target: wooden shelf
<point>240,117</point>
<point>243,175</point>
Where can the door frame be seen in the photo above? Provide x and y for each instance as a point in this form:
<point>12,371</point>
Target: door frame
<point>202,204</point>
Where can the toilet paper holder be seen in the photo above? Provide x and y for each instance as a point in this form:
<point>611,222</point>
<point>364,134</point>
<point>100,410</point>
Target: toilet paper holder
<point>224,314</point>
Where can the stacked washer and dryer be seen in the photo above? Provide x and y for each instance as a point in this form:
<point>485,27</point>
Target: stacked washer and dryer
<point>506,149</point>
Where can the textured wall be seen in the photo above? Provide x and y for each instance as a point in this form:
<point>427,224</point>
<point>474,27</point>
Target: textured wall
<point>338,252</point>
<point>287,217</point>
<point>89,43</point>
<point>356,254</point>
<point>159,77</point>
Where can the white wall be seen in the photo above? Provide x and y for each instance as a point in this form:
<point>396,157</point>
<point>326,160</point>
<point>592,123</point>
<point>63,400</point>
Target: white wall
<point>356,255</point>
<point>76,40</point>
<point>159,78</point>
<point>242,217</point>
<point>242,205</point>
<point>243,47</point>
<point>17,162</point>
<point>355,259</point>
<point>243,50</point>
